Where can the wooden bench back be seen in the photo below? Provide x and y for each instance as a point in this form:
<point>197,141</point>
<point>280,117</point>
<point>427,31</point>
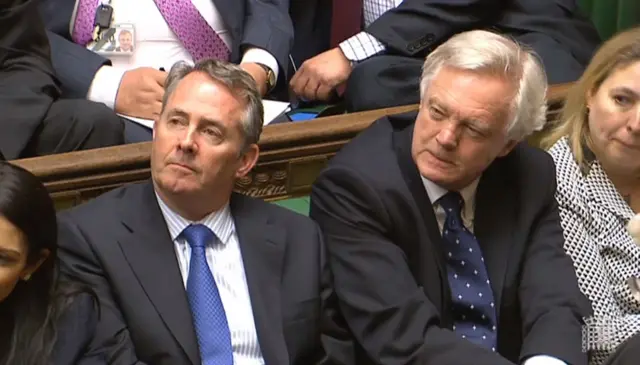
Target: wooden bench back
<point>292,155</point>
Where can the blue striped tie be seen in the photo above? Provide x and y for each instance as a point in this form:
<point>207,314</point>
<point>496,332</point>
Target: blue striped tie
<point>209,318</point>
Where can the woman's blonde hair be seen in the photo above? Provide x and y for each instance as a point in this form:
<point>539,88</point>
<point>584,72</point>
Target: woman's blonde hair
<point>618,52</point>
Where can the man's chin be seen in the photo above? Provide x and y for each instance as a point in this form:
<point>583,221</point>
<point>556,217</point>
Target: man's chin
<point>179,185</point>
<point>445,178</point>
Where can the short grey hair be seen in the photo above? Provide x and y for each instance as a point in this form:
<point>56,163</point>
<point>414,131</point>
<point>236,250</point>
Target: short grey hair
<point>233,77</point>
<point>487,52</point>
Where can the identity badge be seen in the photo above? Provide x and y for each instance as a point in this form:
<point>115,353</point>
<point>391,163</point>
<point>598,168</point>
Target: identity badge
<point>117,40</point>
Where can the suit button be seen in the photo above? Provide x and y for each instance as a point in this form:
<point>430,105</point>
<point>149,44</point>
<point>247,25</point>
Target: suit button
<point>430,37</point>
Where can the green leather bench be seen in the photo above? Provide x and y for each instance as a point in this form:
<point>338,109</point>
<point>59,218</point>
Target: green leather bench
<point>612,16</point>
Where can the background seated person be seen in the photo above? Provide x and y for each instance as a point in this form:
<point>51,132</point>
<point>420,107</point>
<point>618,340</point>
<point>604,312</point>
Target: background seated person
<point>596,148</point>
<point>257,34</point>
<point>188,272</point>
<point>34,120</point>
<point>442,229</point>
<point>383,63</point>
<point>45,319</point>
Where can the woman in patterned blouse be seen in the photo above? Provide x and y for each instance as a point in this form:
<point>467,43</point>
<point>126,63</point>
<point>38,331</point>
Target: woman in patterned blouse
<point>596,148</point>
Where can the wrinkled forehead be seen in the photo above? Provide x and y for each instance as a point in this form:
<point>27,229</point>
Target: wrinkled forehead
<point>471,95</point>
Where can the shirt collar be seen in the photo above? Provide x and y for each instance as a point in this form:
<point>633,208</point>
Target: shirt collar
<point>219,222</point>
<point>436,192</point>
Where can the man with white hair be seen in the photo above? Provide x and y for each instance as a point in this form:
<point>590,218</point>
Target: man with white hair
<point>442,228</point>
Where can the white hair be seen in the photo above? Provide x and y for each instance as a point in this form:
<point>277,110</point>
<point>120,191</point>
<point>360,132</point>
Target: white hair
<point>486,52</point>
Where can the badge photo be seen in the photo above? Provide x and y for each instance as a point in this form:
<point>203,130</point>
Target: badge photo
<point>118,40</point>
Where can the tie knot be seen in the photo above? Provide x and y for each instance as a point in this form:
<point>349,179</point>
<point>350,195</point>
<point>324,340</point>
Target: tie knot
<point>198,235</point>
<point>451,202</point>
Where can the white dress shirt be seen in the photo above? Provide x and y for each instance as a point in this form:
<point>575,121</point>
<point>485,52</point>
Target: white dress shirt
<point>468,194</point>
<point>225,261</point>
<point>157,46</point>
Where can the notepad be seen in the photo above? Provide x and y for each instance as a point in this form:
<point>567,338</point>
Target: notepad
<point>272,110</point>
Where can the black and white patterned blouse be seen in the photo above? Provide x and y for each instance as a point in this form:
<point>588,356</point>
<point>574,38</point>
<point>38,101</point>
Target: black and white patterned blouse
<point>606,258</point>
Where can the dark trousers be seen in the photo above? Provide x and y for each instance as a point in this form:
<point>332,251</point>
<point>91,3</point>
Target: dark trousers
<point>136,133</point>
<point>384,81</point>
<point>75,124</point>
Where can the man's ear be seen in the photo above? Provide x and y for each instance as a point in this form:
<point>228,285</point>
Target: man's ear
<point>248,160</point>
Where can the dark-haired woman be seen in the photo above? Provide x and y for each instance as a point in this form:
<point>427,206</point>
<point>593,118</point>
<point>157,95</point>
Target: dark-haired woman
<point>44,319</point>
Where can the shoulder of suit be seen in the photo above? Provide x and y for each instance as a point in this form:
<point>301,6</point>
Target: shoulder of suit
<point>374,145</point>
<point>530,160</point>
<point>102,204</point>
<point>528,169</point>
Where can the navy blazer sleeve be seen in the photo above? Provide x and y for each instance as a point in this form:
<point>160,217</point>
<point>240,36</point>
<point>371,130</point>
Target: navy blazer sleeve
<point>418,26</point>
<point>27,82</point>
<point>268,26</point>
<point>74,65</point>
<point>75,332</point>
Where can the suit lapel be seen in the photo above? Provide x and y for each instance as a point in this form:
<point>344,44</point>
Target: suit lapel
<point>263,246</point>
<point>148,248</point>
<point>427,260</point>
<point>494,220</point>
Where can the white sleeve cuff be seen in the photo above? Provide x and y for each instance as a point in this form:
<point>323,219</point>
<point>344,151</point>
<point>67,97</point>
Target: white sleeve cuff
<point>543,360</point>
<point>259,55</point>
<point>105,85</point>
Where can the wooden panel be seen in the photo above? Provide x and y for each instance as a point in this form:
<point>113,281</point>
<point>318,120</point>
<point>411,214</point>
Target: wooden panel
<point>291,157</point>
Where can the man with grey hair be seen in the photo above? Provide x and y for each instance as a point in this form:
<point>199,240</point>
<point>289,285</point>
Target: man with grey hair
<point>185,270</point>
<point>442,228</point>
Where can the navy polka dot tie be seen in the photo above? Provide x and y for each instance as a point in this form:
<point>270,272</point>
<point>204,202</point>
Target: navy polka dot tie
<point>209,318</point>
<point>473,304</point>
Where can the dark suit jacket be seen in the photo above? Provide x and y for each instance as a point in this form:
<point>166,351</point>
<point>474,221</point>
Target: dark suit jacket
<point>417,27</point>
<point>389,269</point>
<point>119,245</point>
<point>258,23</point>
<point>312,29</point>
<point>75,332</point>
<point>27,85</point>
